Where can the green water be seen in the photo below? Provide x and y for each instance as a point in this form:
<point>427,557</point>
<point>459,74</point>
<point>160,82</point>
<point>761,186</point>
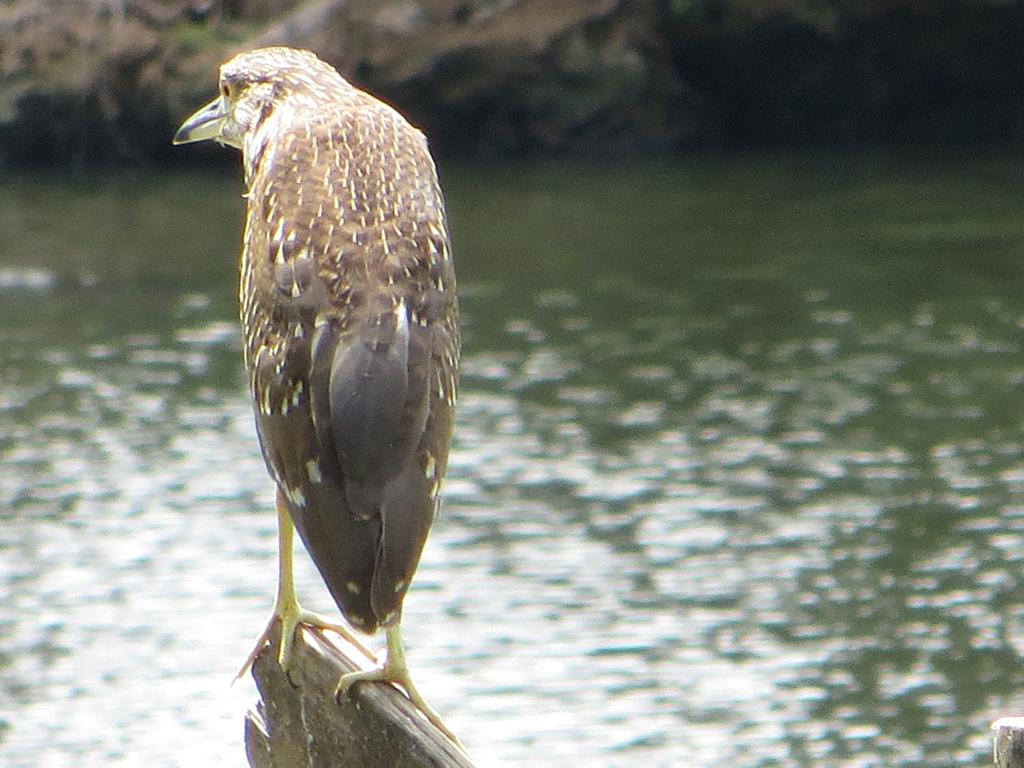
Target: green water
<point>738,474</point>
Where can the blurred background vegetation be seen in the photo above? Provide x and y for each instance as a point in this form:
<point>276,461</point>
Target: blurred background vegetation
<point>98,81</point>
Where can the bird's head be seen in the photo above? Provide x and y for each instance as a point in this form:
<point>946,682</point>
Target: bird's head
<point>252,86</point>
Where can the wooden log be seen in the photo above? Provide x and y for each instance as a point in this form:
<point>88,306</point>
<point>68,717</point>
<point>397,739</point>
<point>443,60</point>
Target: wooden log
<point>1008,742</point>
<point>298,721</point>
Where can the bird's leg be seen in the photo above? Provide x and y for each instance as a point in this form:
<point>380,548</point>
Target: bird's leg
<point>286,605</point>
<point>396,670</point>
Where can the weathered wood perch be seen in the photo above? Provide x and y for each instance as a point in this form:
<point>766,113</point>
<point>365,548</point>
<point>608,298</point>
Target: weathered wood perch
<point>297,721</point>
<point>1008,742</point>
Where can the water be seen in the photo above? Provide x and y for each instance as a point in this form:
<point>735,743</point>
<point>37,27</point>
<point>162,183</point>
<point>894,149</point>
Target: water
<point>738,475</point>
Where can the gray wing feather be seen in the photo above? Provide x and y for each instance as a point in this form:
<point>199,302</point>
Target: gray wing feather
<point>370,402</point>
<point>407,511</point>
<point>368,388</point>
<point>374,412</point>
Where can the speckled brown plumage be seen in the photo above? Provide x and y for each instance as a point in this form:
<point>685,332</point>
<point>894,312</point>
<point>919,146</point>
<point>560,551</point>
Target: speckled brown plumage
<point>350,319</point>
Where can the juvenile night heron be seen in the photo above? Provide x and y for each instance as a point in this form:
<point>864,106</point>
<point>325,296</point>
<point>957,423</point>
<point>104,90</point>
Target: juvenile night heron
<point>351,332</point>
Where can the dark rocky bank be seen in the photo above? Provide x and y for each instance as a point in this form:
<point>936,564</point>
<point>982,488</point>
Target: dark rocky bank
<point>95,81</point>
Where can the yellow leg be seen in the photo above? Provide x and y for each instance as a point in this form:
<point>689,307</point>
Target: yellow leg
<point>286,605</point>
<point>396,670</point>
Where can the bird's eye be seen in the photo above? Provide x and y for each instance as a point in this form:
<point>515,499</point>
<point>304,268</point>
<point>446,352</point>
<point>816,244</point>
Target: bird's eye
<point>225,91</point>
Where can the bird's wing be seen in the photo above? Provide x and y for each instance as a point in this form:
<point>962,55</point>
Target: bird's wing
<point>370,406</point>
<point>374,352</point>
<point>377,392</point>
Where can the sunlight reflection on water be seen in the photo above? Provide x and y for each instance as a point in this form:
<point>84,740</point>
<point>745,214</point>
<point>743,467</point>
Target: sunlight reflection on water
<point>743,514</point>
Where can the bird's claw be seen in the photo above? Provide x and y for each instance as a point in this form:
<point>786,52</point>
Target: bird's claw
<point>394,671</point>
<point>346,681</point>
<point>261,641</point>
<point>291,620</point>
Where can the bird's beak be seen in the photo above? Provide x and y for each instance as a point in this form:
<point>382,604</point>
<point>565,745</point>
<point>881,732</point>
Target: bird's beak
<point>203,124</point>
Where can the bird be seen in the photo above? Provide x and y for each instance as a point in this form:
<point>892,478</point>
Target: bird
<point>351,330</point>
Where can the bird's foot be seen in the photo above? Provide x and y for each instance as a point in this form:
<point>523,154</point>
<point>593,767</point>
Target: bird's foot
<point>396,670</point>
<point>291,616</point>
<point>386,675</point>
